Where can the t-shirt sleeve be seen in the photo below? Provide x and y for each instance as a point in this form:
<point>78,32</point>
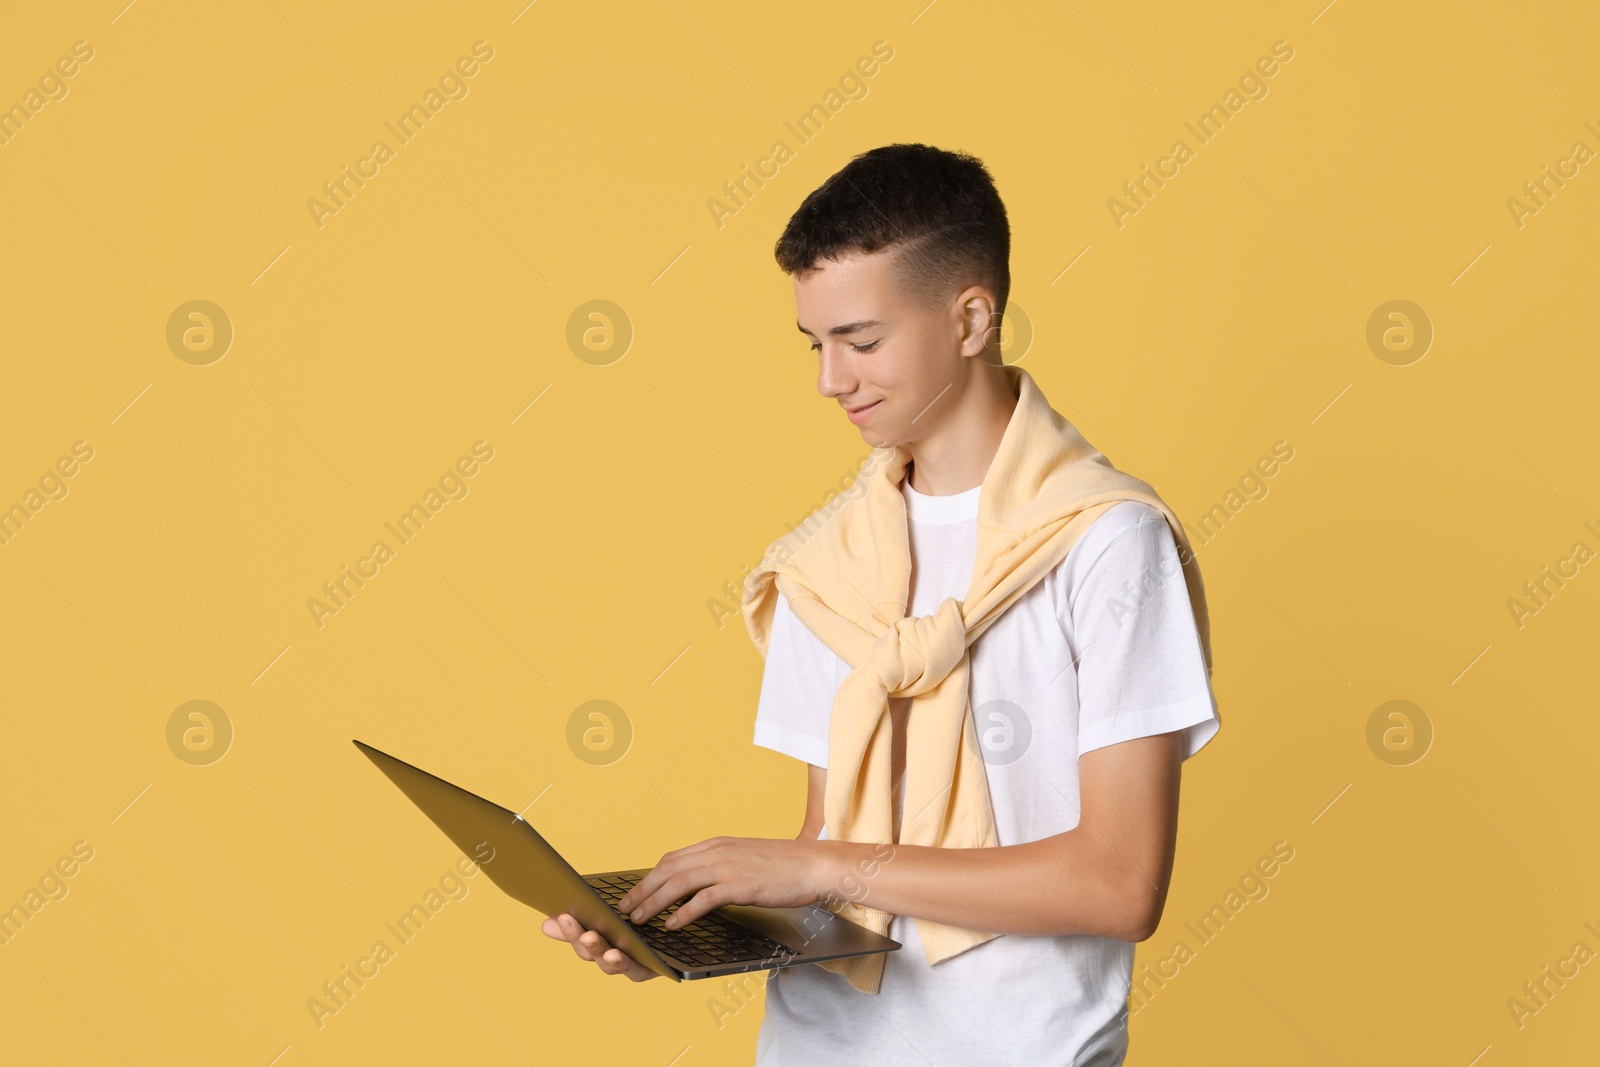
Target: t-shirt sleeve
<point>1141,669</point>
<point>797,688</point>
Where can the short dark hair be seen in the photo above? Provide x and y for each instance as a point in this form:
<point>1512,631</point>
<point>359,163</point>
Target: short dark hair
<point>938,209</point>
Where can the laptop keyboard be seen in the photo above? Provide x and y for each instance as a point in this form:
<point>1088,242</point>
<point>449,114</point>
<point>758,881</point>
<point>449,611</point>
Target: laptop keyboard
<point>709,940</point>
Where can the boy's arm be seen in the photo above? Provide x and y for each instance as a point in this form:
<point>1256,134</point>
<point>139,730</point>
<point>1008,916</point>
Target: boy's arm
<point>816,790</point>
<point>1108,876</point>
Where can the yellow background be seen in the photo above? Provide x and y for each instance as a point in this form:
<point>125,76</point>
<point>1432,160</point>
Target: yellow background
<point>371,352</point>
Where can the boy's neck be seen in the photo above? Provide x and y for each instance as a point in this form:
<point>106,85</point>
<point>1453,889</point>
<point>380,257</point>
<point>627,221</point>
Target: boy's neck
<point>956,456</point>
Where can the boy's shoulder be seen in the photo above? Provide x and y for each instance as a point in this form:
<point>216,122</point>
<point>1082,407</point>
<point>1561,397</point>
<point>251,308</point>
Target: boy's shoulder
<point>1127,542</point>
<point>1121,522</point>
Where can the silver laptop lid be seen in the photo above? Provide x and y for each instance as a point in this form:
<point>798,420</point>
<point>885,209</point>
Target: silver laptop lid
<point>519,860</point>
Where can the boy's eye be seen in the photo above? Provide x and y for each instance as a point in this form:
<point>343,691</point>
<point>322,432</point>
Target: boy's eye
<point>868,347</point>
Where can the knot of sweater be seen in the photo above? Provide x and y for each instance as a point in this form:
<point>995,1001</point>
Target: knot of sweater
<point>917,652</point>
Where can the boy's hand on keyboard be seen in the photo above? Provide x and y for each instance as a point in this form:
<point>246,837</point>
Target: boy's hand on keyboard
<point>769,873</point>
<point>589,945</point>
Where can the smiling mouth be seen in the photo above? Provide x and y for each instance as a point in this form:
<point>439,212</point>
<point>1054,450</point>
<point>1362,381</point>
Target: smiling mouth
<point>861,414</point>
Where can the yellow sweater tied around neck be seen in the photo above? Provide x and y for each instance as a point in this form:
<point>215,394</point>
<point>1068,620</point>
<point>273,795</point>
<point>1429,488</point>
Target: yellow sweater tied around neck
<point>848,581</point>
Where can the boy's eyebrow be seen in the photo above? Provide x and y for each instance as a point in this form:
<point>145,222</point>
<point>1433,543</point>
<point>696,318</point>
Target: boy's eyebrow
<point>849,327</point>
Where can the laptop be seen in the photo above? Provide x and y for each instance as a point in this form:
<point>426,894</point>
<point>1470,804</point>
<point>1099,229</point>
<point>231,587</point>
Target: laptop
<point>727,940</point>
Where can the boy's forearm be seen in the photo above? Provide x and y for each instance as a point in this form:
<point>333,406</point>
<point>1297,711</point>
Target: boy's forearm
<point>1073,883</point>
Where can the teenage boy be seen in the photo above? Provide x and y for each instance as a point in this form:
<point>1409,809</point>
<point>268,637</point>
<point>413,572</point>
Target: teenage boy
<point>993,652</point>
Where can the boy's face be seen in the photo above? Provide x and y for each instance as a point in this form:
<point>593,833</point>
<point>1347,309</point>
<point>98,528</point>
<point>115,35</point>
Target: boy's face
<point>900,365</point>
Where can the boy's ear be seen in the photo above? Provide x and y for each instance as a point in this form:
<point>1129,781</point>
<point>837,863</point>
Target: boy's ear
<point>980,329</point>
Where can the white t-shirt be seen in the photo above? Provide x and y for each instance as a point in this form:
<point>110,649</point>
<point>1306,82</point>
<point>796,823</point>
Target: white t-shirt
<point>1103,649</point>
